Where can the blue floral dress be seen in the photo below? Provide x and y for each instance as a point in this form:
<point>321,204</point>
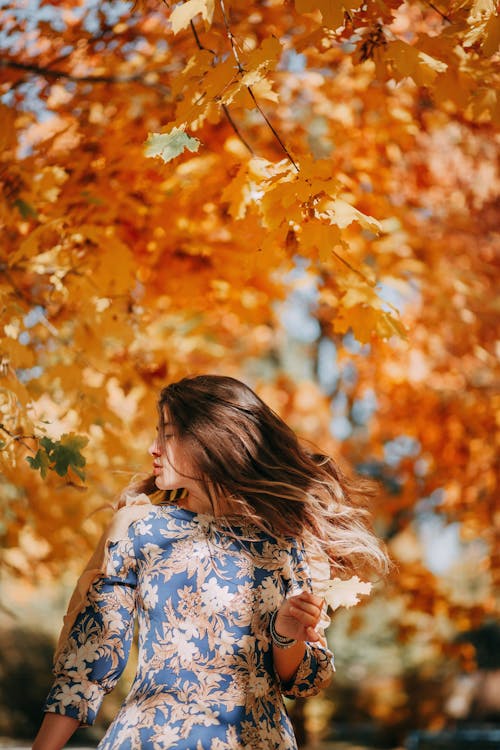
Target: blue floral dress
<point>205,678</point>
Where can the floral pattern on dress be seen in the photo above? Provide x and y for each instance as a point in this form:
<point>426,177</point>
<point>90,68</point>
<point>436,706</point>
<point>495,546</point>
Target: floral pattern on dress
<point>205,677</point>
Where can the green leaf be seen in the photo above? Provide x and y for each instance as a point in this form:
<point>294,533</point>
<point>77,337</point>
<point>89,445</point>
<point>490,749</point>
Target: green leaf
<point>25,209</point>
<point>60,455</point>
<point>67,453</point>
<point>169,145</point>
<point>41,461</point>
<point>47,444</point>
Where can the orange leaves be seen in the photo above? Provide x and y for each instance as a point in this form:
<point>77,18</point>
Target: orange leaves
<point>308,205</point>
<point>367,321</point>
<point>332,13</point>
<point>491,41</point>
<point>342,214</point>
<point>184,13</point>
<point>322,236</point>
<point>206,83</point>
<point>407,60</point>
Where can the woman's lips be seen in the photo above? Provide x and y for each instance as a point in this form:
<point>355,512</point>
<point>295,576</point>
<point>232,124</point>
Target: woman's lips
<point>156,468</point>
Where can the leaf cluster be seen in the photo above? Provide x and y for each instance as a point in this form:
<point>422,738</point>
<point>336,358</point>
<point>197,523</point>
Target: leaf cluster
<point>60,455</point>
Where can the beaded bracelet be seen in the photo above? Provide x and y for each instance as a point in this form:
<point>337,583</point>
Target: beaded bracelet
<point>279,640</point>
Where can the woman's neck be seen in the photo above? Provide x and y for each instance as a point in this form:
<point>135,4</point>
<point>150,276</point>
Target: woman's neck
<point>199,502</point>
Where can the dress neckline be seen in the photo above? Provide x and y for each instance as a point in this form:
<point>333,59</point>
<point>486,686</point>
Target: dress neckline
<point>193,515</point>
<point>179,512</point>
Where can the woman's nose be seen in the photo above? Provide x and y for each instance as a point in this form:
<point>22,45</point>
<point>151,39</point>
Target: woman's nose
<point>154,448</point>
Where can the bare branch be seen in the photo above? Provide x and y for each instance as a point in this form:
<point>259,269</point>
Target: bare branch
<point>225,108</point>
<point>197,39</point>
<point>230,36</point>
<point>236,130</point>
<point>273,129</point>
<point>55,73</point>
<point>249,88</point>
<point>439,12</point>
<point>17,438</point>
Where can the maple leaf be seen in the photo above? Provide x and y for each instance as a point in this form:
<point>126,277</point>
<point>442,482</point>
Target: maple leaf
<point>409,61</point>
<point>169,145</point>
<point>332,14</point>
<point>40,462</point>
<point>491,41</point>
<point>184,13</point>
<point>342,214</point>
<point>66,453</point>
<point>338,593</point>
<point>60,455</point>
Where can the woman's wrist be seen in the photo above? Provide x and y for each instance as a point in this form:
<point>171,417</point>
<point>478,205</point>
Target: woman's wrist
<point>55,731</point>
<point>279,640</point>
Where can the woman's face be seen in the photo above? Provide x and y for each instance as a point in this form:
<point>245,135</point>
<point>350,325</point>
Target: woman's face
<point>171,465</point>
<point>174,469</point>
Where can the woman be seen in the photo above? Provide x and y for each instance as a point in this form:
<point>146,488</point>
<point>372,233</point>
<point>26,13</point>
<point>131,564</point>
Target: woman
<point>218,573</point>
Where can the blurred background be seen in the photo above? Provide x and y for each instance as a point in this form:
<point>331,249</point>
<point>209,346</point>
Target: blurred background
<point>356,292</point>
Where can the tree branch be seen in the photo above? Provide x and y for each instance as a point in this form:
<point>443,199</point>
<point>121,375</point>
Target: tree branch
<point>273,129</point>
<point>230,36</point>
<point>249,88</point>
<point>439,12</point>
<point>18,438</point>
<point>225,108</point>
<point>51,73</point>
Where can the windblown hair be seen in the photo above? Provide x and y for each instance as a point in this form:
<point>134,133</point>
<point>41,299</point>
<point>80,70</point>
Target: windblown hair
<point>245,453</point>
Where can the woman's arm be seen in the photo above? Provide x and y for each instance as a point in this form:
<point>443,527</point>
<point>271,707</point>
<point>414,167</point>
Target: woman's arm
<point>297,618</point>
<point>54,732</point>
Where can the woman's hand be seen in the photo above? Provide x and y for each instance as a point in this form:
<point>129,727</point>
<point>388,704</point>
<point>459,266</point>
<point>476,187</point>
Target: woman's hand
<point>298,616</point>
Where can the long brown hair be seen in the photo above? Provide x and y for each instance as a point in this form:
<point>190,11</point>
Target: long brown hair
<point>246,453</point>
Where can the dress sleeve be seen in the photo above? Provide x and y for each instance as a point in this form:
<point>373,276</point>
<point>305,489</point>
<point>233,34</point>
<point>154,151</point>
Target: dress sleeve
<point>94,651</point>
<point>316,669</point>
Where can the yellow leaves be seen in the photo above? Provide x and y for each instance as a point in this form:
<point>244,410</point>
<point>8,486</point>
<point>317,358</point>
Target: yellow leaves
<point>264,58</point>
<point>42,239</point>
<point>323,236</point>
<point>252,180</point>
<point>332,13</point>
<point>14,396</point>
<point>362,310</point>
<point>184,12</point>
<point>15,354</point>
<point>491,42</point>
<point>195,69</point>
<point>368,323</point>
<point>301,206</point>
<point>239,193</point>
<point>343,214</point>
<point>483,27</point>
<point>105,327</point>
<point>453,86</point>
<point>296,192</point>
<point>256,65</point>
<point>207,84</point>
<point>409,61</point>
<point>104,273</point>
